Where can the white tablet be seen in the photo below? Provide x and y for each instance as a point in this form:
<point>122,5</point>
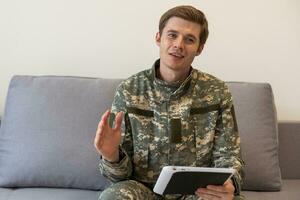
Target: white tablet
<point>186,180</point>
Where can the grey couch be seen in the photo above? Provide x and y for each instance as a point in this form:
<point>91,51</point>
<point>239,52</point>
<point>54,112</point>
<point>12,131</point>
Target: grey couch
<point>48,127</point>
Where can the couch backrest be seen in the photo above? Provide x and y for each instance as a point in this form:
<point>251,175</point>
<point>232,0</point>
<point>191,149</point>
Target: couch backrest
<point>289,149</point>
<point>257,123</point>
<point>47,131</point>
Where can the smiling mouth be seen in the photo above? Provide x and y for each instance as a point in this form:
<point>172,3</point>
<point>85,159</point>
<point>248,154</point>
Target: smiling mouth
<point>177,55</point>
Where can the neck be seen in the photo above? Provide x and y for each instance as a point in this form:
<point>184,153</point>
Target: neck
<point>172,76</point>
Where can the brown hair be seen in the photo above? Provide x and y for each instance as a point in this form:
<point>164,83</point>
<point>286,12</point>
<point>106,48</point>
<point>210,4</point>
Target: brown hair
<point>188,13</point>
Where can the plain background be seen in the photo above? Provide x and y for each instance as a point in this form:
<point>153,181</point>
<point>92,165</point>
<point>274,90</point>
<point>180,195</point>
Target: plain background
<point>255,41</point>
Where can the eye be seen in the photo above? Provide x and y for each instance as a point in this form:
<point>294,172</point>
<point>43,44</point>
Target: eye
<point>190,40</point>
<point>172,35</point>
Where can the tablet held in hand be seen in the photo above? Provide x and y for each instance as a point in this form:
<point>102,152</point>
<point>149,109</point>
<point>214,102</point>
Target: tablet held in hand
<point>186,180</point>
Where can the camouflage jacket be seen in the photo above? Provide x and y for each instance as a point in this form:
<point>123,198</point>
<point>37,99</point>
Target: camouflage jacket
<point>191,124</point>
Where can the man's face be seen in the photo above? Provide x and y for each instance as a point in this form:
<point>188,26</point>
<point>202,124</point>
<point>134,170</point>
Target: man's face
<point>179,44</point>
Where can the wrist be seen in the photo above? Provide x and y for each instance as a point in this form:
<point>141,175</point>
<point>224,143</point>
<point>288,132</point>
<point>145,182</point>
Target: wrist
<point>114,158</point>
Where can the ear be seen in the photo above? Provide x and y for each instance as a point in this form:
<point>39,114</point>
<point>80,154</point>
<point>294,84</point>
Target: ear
<point>157,39</point>
<point>200,49</point>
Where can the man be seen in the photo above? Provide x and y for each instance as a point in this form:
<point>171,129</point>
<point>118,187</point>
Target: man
<point>173,115</point>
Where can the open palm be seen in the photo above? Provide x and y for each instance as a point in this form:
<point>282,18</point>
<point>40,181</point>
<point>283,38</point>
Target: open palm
<point>107,139</point>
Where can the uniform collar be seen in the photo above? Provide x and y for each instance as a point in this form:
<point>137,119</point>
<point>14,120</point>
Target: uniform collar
<point>167,90</point>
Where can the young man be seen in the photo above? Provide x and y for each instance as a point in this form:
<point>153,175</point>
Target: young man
<point>173,115</point>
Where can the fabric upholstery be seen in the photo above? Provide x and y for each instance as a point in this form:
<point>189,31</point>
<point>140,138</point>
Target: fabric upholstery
<point>5,193</point>
<point>289,149</point>
<point>290,191</point>
<point>47,131</point>
<point>257,122</point>
<point>48,194</point>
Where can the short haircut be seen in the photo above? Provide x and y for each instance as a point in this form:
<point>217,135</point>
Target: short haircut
<point>188,13</point>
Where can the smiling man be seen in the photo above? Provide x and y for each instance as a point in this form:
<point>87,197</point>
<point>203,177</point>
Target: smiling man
<point>173,115</point>
<point>179,43</point>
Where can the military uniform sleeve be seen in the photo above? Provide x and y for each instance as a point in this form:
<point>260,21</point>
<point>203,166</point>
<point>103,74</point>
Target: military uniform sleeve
<point>227,151</point>
<point>123,169</point>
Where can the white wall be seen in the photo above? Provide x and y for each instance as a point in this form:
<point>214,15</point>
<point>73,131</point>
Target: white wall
<point>257,41</point>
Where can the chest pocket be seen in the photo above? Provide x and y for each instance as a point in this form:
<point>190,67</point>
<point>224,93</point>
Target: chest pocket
<point>204,121</point>
<point>142,125</point>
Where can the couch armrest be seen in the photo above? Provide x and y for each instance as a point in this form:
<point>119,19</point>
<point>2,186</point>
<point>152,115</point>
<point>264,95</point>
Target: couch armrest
<point>289,149</point>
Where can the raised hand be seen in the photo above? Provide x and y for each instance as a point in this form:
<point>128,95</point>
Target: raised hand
<point>107,139</point>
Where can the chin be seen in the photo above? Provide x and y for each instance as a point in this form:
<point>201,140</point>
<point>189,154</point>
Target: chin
<point>177,67</point>
<point>175,64</point>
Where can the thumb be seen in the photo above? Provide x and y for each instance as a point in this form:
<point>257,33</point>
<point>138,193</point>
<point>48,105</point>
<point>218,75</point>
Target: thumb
<point>118,120</point>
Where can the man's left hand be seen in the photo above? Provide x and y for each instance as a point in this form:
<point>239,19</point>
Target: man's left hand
<point>212,192</point>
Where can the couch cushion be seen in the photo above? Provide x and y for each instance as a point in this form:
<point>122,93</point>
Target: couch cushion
<point>289,137</point>
<point>50,194</point>
<point>48,129</point>
<point>257,122</point>
<point>5,193</point>
<point>290,191</point>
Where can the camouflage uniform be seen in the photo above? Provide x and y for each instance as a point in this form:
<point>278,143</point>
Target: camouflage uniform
<point>187,124</point>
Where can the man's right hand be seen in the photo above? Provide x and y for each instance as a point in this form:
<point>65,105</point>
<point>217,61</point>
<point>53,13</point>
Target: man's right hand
<point>107,139</point>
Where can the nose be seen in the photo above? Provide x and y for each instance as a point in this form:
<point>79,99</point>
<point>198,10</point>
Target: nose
<point>178,43</point>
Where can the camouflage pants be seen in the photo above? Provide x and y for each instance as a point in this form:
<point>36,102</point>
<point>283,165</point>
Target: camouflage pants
<point>133,190</point>
<point>128,190</point>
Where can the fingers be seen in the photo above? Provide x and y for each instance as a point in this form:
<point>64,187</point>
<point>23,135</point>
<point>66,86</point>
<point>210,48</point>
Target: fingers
<point>118,121</point>
<point>208,194</point>
<point>101,125</point>
<point>104,119</point>
<point>107,138</point>
<point>214,192</point>
<point>217,188</point>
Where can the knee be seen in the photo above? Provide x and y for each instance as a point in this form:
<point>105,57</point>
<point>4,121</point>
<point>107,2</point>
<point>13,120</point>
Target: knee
<point>118,191</point>
<point>126,190</point>
<point>107,194</point>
